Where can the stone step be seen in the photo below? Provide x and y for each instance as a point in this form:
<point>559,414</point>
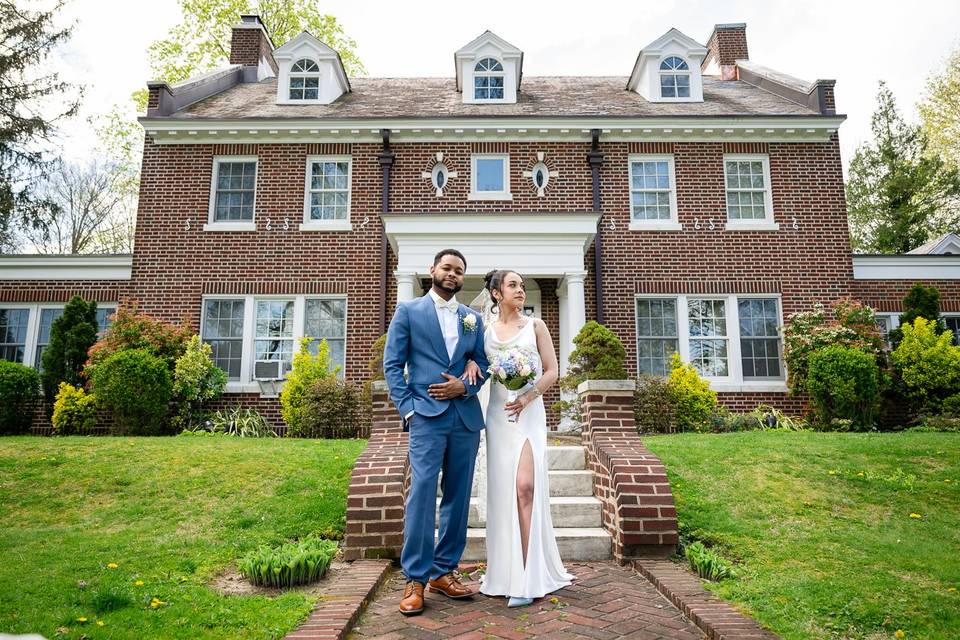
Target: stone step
<point>566,457</point>
<point>587,544</point>
<point>566,511</point>
<point>563,482</point>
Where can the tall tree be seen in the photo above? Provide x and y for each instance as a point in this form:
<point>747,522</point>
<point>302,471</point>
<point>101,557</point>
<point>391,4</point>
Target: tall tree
<point>32,100</point>
<point>898,194</point>
<point>940,111</point>
<point>92,211</point>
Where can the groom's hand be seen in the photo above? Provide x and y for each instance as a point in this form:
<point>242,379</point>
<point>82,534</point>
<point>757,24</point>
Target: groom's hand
<point>448,390</point>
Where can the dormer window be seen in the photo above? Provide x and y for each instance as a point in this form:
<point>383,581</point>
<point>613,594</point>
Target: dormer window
<point>674,78</point>
<point>488,80</point>
<point>304,80</point>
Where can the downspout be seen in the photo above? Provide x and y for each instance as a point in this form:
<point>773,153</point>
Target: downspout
<point>595,158</point>
<point>386,158</point>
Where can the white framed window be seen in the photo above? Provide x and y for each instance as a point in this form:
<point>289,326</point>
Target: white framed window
<point>327,199</point>
<point>304,80</point>
<point>748,195</point>
<point>255,337</point>
<point>488,78</point>
<point>674,78</point>
<point>25,329</point>
<point>490,177</point>
<point>233,191</point>
<point>653,194</point>
<point>733,341</point>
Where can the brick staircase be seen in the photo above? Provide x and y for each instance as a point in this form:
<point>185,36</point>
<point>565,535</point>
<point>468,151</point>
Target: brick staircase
<point>577,514</point>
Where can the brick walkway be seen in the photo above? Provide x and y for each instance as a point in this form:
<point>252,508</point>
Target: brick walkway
<point>607,601</point>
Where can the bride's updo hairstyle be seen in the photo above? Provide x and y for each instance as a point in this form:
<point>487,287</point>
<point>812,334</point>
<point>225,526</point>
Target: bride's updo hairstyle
<point>494,281</point>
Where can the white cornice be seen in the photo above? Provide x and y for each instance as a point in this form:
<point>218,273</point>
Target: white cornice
<point>725,129</point>
<point>906,267</point>
<point>40,267</point>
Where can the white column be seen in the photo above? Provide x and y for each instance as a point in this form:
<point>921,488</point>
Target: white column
<point>564,337</point>
<point>405,285</point>
<point>576,305</point>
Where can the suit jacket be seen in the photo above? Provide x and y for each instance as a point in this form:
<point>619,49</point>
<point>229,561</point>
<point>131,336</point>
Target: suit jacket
<point>415,341</point>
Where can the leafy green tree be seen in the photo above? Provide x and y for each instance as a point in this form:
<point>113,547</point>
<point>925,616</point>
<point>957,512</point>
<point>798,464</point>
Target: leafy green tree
<point>28,89</point>
<point>940,111</point>
<point>71,336</point>
<point>920,302</point>
<point>898,194</point>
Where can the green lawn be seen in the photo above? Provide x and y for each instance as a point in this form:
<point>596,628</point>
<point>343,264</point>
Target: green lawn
<point>170,513</point>
<point>820,527</point>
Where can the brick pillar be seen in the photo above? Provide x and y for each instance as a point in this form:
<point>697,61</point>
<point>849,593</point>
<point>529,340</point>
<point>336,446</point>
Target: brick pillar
<point>250,44</point>
<point>628,479</point>
<point>376,495</point>
<point>727,44</point>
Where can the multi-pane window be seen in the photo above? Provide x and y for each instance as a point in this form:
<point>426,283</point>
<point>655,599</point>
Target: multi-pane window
<point>490,176</point>
<point>273,339</point>
<point>13,334</point>
<point>674,78</point>
<point>103,319</point>
<point>235,183</point>
<point>747,189</point>
<point>329,189</point>
<point>656,334</point>
<point>953,324</point>
<point>223,331</point>
<point>47,316</point>
<point>326,319</point>
<point>651,188</point>
<point>759,338</point>
<point>708,337</point>
<point>488,80</point>
<point>304,80</point>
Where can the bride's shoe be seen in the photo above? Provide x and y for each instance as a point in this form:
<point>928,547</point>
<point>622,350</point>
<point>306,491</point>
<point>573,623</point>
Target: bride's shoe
<point>519,602</point>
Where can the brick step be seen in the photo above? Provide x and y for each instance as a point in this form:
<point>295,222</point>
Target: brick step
<point>566,511</point>
<point>563,482</point>
<point>576,544</point>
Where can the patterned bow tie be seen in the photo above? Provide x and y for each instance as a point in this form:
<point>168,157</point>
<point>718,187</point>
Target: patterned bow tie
<point>449,306</point>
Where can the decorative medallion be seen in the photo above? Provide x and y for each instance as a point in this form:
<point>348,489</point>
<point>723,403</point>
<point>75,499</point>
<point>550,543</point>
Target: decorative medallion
<point>540,174</point>
<point>439,174</point>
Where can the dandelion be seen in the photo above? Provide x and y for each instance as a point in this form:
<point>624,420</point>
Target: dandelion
<point>554,600</point>
<point>915,516</point>
<point>899,634</point>
<point>807,503</point>
<point>112,565</point>
<point>831,472</point>
<point>952,590</point>
<point>82,619</point>
<point>138,583</point>
<point>860,475</point>
<point>156,602</point>
<point>99,623</point>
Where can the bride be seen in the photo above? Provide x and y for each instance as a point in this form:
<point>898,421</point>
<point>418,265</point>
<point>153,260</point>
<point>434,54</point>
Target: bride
<point>523,561</point>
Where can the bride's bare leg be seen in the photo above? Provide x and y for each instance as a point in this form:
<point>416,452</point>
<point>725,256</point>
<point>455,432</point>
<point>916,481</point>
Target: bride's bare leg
<point>525,485</point>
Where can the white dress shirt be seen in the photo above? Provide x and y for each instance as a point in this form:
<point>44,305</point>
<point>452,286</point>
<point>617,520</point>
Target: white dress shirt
<point>449,319</point>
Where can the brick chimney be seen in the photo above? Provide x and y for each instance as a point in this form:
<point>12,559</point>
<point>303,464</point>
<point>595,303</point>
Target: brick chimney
<point>251,45</point>
<point>727,44</point>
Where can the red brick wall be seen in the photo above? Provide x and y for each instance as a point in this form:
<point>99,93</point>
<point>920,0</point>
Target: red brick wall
<point>888,295</point>
<point>33,291</point>
<point>728,45</point>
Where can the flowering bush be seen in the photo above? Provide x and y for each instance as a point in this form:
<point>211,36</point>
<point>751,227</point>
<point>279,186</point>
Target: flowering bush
<point>845,385</point>
<point>133,330</point>
<point>514,368</point>
<point>74,411</point>
<point>927,364</point>
<point>849,324</point>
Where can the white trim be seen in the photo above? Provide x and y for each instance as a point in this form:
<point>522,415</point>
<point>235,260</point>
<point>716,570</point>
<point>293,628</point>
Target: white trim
<point>336,224</point>
<point>490,195</point>
<point>906,267</point>
<point>752,224</point>
<point>212,223</point>
<point>734,382</point>
<point>673,224</point>
<point>41,267</point>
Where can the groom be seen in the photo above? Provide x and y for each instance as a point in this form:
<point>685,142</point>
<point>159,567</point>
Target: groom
<point>434,337</point>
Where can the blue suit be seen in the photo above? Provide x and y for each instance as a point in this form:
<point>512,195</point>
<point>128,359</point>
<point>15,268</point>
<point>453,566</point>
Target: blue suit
<point>444,434</point>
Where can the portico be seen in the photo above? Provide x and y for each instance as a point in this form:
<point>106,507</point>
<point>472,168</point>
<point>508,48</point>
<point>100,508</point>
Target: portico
<point>542,245</point>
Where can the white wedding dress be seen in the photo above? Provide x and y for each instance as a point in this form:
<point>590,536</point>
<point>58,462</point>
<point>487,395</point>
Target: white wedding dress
<point>506,574</point>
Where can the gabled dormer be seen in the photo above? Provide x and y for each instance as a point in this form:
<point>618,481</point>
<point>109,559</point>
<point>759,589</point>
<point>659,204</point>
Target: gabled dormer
<point>489,70</point>
<point>668,69</point>
<point>310,72</point>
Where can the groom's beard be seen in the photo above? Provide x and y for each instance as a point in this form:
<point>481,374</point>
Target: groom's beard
<point>440,284</point>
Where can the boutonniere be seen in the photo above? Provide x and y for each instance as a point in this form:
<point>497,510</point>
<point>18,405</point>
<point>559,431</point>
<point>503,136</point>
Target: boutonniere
<point>469,322</point>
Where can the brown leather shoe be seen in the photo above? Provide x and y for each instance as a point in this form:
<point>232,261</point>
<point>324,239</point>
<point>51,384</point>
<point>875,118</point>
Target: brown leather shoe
<point>412,602</point>
<point>450,586</point>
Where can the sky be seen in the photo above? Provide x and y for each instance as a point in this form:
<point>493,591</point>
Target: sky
<point>856,43</point>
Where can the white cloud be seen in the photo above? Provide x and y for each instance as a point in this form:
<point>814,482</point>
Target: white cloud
<point>856,43</point>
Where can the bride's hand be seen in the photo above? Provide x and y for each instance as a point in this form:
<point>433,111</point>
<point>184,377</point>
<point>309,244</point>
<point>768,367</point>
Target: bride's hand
<point>471,372</point>
<point>514,408</point>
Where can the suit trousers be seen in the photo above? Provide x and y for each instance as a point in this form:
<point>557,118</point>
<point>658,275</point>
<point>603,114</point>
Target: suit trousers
<point>439,443</point>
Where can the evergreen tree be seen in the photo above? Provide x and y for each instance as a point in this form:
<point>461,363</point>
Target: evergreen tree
<point>71,336</point>
<point>898,194</point>
<point>920,302</point>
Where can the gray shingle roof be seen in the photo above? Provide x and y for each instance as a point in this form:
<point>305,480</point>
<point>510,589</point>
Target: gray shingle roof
<point>538,97</point>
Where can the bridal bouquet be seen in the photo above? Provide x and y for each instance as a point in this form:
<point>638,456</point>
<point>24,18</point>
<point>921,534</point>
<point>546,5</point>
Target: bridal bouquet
<point>514,368</point>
